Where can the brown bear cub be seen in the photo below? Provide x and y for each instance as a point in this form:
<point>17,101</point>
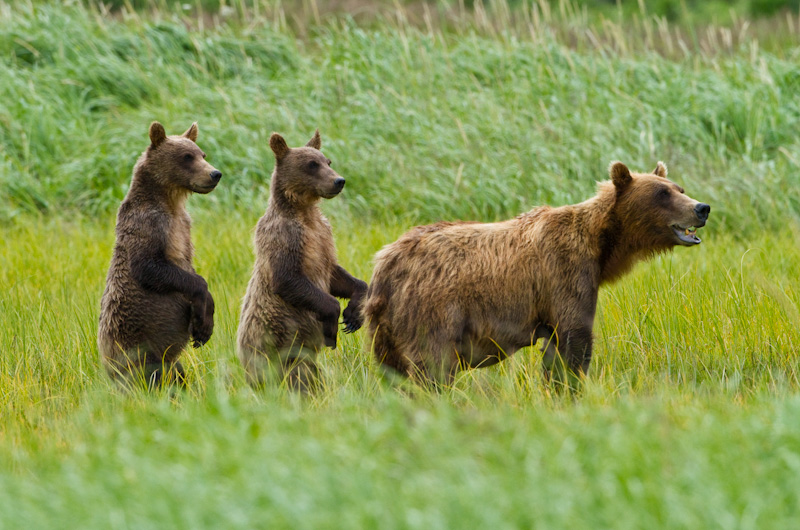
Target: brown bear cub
<point>154,301</point>
<point>290,310</point>
<point>466,295</point>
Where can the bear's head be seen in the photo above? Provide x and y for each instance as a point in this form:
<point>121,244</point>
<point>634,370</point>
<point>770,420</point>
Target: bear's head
<point>653,212</point>
<point>177,163</point>
<point>303,174</point>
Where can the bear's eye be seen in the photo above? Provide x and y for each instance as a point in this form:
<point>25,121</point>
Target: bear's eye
<point>329,163</point>
<point>188,156</point>
<point>313,165</point>
<point>662,194</point>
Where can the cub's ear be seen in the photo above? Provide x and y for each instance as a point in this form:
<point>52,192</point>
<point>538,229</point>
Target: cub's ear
<point>661,169</point>
<point>620,175</point>
<point>191,132</point>
<point>278,146</point>
<point>316,141</point>
<point>157,134</point>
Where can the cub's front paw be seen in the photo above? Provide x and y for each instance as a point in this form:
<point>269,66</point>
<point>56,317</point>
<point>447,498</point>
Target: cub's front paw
<point>329,317</point>
<point>352,317</point>
<point>330,329</point>
<point>202,333</point>
<point>202,320</point>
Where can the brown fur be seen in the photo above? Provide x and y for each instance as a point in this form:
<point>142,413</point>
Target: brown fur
<point>154,301</point>
<point>454,295</point>
<point>290,311</point>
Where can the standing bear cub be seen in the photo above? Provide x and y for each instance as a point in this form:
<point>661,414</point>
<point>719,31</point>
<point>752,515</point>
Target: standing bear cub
<point>290,310</point>
<point>154,301</point>
<point>468,295</point>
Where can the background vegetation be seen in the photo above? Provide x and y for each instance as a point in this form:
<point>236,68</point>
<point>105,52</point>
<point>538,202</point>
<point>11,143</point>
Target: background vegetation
<point>691,417</point>
<point>501,110</point>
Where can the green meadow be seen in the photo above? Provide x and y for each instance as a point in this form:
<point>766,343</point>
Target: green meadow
<point>690,417</point>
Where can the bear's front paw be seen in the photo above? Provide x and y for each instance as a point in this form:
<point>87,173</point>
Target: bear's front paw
<point>202,333</point>
<point>329,317</point>
<point>352,317</point>
<point>202,320</point>
<point>330,328</point>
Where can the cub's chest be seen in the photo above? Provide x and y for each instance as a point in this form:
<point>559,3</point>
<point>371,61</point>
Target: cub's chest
<point>319,254</point>
<point>179,242</point>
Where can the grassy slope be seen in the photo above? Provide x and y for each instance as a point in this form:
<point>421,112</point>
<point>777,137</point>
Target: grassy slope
<point>690,418</point>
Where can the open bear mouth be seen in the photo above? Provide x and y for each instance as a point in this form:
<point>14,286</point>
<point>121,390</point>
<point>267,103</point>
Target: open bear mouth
<point>686,234</point>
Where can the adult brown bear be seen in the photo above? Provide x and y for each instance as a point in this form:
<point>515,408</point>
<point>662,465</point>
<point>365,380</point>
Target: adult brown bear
<point>453,295</point>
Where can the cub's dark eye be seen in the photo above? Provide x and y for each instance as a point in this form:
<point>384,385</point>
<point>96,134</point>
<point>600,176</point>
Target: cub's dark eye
<point>329,163</point>
<point>188,157</point>
<point>313,165</point>
<point>662,194</point>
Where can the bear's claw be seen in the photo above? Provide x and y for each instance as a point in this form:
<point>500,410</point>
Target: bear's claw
<point>352,327</point>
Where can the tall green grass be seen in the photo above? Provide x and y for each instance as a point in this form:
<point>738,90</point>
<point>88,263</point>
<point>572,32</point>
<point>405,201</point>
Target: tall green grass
<point>689,418</point>
<point>723,317</point>
<point>425,122</point>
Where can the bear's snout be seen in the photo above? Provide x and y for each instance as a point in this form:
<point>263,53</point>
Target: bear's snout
<point>702,210</point>
<point>338,184</point>
<point>216,175</point>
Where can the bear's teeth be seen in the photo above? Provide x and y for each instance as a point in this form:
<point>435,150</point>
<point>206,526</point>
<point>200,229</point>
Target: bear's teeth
<point>687,232</point>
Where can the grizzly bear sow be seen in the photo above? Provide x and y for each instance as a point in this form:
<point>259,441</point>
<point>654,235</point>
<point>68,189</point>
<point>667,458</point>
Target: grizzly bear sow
<point>154,301</point>
<point>290,310</point>
<point>453,295</point>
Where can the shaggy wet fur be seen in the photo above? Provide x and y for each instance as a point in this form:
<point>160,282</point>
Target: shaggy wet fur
<point>154,302</point>
<point>467,295</point>
<point>290,311</point>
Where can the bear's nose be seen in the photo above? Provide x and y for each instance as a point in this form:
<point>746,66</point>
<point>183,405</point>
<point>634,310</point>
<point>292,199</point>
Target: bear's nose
<point>216,175</point>
<point>702,210</point>
<point>339,183</point>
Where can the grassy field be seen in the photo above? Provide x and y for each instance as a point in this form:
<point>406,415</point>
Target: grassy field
<point>691,416</point>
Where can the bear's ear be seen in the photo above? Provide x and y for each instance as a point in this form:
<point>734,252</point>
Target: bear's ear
<point>278,145</point>
<point>191,132</point>
<point>316,141</point>
<point>157,134</point>
<point>661,169</point>
<point>620,175</point>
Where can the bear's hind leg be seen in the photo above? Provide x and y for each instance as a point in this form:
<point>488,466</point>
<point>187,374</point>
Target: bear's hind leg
<point>159,374</point>
<point>294,365</point>
<point>387,354</point>
<point>301,375</point>
<point>128,368</point>
<point>436,364</point>
<point>299,370</point>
